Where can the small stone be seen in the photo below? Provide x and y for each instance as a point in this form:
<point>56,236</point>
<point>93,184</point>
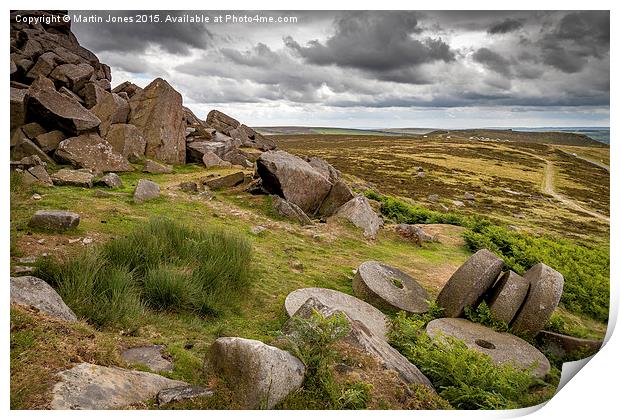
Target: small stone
<point>54,220</point>
<point>421,174</point>
<point>469,196</point>
<point>87,241</point>
<point>22,270</point>
<point>257,230</point>
<point>181,393</point>
<point>149,356</point>
<point>189,187</point>
<point>145,190</point>
<point>36,196</point>
<point>73,178</point>
<point>458,203</point>
<point>110,180</point>
<point>433,198</point>
<point>153,167</point>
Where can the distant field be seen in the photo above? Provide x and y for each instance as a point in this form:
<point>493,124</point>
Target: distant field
<point>506,178</point>
<point>278,131</point>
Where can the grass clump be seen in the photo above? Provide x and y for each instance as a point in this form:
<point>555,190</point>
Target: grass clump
<point>161,266</point>
<point>466,378</point>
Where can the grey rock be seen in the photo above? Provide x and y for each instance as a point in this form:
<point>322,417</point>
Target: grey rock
<point>469,283</point>
<point>262,375</point>
<point>181,393</point>
<point>149,356</point>
<point>224,181</point>
<point>359,212</point>
<point>413,233</point>
<point>58,220</point>
<point>210,160</point>
<point>80,178</point>
<point>564,346</point>
<point>73,76</point>
<point>32,130</point>
<point>92,152</point>
<point>389,288</point>
<point>126,140</point>
<point>221,122</point>
<point>257,230</point>
<point>355,308</point>
<point>127,87</point>
<point>92,387</point>
<point>32,291</point>
<point>48,142</point>
<point>433,198</point>
<point>110,180</point>
<point>40,173</point>
<point>43,66</point>
<point>544,294</point>
<point>153,167</point>
<point>501,347</point>
<point>338,195</point>
<point>22,270</point>
<point>469,196</point>
<point>22,146</point>
<point>93,94</point>
<point>458,203</point>
<point>111,109</point>
<point>289,210</point>
<point>18,107</point>
<point>507,296</point>
<point>145,190</point>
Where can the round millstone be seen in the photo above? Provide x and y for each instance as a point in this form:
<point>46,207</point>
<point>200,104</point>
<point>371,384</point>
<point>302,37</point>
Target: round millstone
<point>387,287</point>
<point>501,347</point>
<point>508,295</point>
<point>545,292</point>
<point>469,283</point>
<point>355,308</point>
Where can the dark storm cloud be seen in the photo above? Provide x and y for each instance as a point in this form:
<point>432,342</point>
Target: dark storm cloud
<point>379,43</point>
<point>508,25</point>
<point>493,61</point>
<point>137,37</point>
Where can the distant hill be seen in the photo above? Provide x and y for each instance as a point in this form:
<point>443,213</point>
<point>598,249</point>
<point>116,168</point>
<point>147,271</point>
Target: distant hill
<point>548,137</point>
<point>292,130</point>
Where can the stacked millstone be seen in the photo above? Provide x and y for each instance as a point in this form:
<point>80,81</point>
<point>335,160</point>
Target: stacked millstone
<point>525,303</point>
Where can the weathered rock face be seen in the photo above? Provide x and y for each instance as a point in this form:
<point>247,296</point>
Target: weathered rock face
<point>22,146</point>
<point>145,190</point>
<point>561,345</point>
<point>469,283</point>
<point>502,347</point>
<point>157,112</point>
<point>111,109</point>
<point>92,387</point>
<point>153,167</point>
<point>363,338</point>
<point>294,179</point>
<point>149,356</point>
<point>18,107</point>
<point>543,297</point>
<point>221,122</point>
<point>92,152</point>
<point>79,178</point>
<point>48,142</point>
<point>262,375</point>
<point>359,212</point>
<point>32,291</point>
<point>387,287</point>
<point>73,76</point>
<point>508,296</point>
<point>224,181</point>
<point>338,196</point>
<point>130,89</point>
<point>126,140</point>
<point>355,308</point>
<point>289,210</point>
<point>247,137</point>
<point>54,220</point>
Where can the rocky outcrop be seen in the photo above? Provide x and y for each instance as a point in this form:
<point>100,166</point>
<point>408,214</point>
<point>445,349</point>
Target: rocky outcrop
<point>242,134</point>
<point>32,291</point>
<point>92,387</point>
<point>157,111</point>
<point>127,141</point>
<point>261,376</point>
<point>57,220</point>
<point>388,287</point>
<point>92,152</point>
<point>359,212</point>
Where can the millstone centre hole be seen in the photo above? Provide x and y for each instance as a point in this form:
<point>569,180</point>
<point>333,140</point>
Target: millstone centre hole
<point>396,282</point>
<point>485,344</point>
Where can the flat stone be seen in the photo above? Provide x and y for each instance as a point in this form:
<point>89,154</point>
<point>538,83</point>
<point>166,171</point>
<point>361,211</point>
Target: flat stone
<point>54,220</point>
<point>544,294</point>
<point>501,347</point>
<point>110,180</point>
<point>359,212</point>
<point>149,356</point>
<point>562,346</point>
<point>180,393</point>
<point>32,291</point>
<point>145,190</point>
<point>469,283</point>
<point>507,296</point>
<point>261,375</point>
<point>75,178</point>
<point>225,181</point>
<point>356,309</point>
<point>388,287</point>
<point>92,387</point>
<point>289,210</point>
<point>92,152</point>
<point>153,167</point>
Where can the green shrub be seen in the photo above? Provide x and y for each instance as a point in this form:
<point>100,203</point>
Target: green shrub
<point>466,378</point>
<point>482,315</point>
<point>161,265</point>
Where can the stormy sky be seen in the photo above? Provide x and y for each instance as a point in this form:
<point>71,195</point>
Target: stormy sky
<point>373,69</point>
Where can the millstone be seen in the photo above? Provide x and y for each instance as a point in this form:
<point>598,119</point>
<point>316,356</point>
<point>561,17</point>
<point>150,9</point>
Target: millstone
<point>387,287</point>
<point>469,283</point>
<point>355,308</point>
<point>508,295</point>
<point>501,347</point>
<point>545,292</point>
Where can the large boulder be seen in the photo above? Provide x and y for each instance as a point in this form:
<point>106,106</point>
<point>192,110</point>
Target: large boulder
<point>111,109</point>
<point>221,122</point>
<point>289,210</point>
<point>388,287</point>
<point>339,195</point>
<point>48,142</point>
<point>501,347</point>
<point>359,212</point>
<point>92,387</point>
<point>247,137</point>
<point>294,179</point>
<point>157,111</point>
<point>197,149</point>
<point>126,140</point>
<point>32,291</point>
<point>92,152</point>
<point>18,107</point>
<point>469,283</point>
<point>261,376</point>
<point>73,76</point>
<point>56,111</point>
<point>508,296</point>
<point>543,296</point>
<point>58,220</point>
<point>355,308</point>
<point>22,147</point>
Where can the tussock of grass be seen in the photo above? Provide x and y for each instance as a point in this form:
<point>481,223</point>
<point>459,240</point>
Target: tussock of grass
<point>161,265</point>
